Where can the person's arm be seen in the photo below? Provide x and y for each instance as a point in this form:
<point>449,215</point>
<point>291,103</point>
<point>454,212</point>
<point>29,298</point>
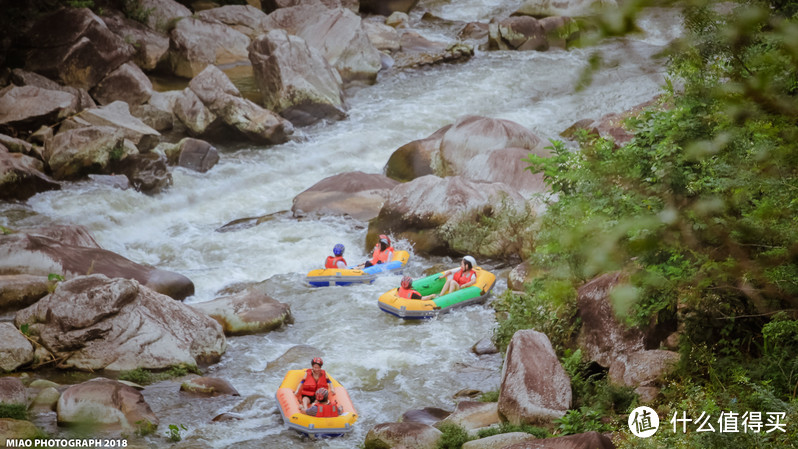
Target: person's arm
<point>341,264</point>
<point>298,387</point>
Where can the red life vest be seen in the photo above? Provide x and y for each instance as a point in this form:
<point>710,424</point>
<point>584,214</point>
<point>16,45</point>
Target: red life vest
<point>407,292</point>
<point>310,385</point>
<point>326,410</point>
<point>381,256</point>
<point>332,262</point>
<point>463,278</point>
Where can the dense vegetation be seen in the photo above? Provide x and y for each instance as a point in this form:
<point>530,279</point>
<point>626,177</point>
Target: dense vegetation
<point>700,210</point>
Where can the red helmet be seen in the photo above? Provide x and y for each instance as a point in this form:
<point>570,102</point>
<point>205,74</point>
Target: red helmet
<point>386,239</point>
<point>317,361</point>
<point>407,282</point>
<point>321,394</point>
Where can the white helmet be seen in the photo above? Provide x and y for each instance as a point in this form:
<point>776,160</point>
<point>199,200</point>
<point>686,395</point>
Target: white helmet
<point>470,260</point>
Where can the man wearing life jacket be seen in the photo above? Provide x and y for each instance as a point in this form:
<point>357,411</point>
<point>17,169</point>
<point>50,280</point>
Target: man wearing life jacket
<point>458,278</point>
<point>322,407</point>
<point>406,290</point>
<point>315,378</point>
<point>383,252</point>
<point>336,261</point>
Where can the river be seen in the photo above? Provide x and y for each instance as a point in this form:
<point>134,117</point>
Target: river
<point>388,366</point>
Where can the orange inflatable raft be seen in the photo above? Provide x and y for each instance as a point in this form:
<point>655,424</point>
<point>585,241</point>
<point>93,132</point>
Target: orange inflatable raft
<point>311,425</point>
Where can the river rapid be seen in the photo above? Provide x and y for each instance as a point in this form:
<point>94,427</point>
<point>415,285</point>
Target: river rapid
<point>388,366</point>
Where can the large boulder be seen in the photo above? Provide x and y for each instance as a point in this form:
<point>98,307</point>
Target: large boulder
<point>245,19</point>
<point>535,388</point>
<point>75,47</point>
<point>415,159</point>
<point>94,322</point>
<point>472,415</point>
<point>12,391</point>
<point>356,194</point>
<point>162,14</point>
<point>27,108</point>
<point>438,216</point>
<point>18,291</point>
<point>386,7</point>
<point>22,176</point>
<point>604,339</point>
<point>127,83</point>
<point>17,429</point>
<point>644,371</point>
<point>527,33</point>
<point>106,403</point>
<point>383,37</point>
<point>571,8</point>
<point>472,135</point>
<point>587,440</point>
<point>478,148</point>
<point>117,115</point>
<point>66,234</point>
<point>499,441</point>
<point>151,46</point>
<point>212,105</point>
<point>147,173</point>
<point>38,255</point>
<point>337,33</point>
<point>78,152</point>
<point>196,44</point>
<point>248,312</point>
<point>404,434</point>
<point>196,154</point>
<point>15,349</point>
<point>295,80</point>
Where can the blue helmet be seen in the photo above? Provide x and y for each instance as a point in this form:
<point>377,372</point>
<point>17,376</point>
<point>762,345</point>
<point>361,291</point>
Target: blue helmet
<point>338,249</point>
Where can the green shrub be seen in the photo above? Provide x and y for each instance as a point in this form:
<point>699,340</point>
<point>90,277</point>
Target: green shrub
<point>13,411</point>
<point>505,427</point>
<point>453,436</point>
<point>490,396</point>
<point>144,376</point>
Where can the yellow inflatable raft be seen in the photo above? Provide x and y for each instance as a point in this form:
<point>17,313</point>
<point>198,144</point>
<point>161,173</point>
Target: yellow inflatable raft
<point>390,302</point>
<point>337,276</point>
<point>311,425</point>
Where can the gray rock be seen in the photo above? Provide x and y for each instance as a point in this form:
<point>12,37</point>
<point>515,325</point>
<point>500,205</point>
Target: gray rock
<point>197,155</point>
<point>12,391</point>
<point>18,291</point>
<point>356,194</point>
<point>251,311</point>
<point>295,80</point>
<point>127,83</point>
<point>15,350</point>
<point>197,44</point>
<point>405,434</point>
<point>93,322</point>
<point>473,415</point>
<point>209,386</point>
<point>22,176</point>
<point>105,403</point>
<point>535,388</point>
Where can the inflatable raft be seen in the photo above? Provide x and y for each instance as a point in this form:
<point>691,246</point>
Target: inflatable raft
<point>390,302</point>
<point>336,276</point>
<point>311,425</point>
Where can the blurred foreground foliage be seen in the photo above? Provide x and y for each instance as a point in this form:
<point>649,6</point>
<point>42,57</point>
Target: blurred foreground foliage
<point>700,210</point>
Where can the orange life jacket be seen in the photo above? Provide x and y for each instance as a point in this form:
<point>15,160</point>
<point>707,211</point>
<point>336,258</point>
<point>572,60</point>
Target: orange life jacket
<point>310,385</point>
<point>463,278</point>
<point>381,256</point>
<point>407,292</point>
<point>332,262</point>
<point>326,410</point>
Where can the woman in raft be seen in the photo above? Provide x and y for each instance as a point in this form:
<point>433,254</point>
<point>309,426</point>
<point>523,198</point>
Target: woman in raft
<point>458,278</point>
<point>315,378</point>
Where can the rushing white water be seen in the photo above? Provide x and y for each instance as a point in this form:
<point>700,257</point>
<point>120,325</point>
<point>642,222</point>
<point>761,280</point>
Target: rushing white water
<point>388,366</point>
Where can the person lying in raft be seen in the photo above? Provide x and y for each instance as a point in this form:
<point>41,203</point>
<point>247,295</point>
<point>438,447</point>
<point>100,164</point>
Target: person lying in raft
<point>322,407</point>
<point>406,290</point>
<point>458,278</point>
<point>337,259</point>
<point>315,379</point>
<point>383,252</point>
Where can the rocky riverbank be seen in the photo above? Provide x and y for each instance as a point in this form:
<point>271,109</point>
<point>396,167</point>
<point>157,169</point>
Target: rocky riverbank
<point>78,103</point>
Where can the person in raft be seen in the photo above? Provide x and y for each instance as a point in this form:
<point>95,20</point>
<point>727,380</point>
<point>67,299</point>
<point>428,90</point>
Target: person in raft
<point>458,278</point>
<point>406,290</point>
<point>322,407</point>
<point>383,252</point>
<point>337,259</point>
<point>315,379</point>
